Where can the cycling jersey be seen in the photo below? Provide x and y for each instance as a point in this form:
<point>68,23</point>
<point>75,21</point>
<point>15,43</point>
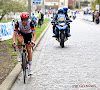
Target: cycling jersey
<point>29,28</point>
<point>25,31</point>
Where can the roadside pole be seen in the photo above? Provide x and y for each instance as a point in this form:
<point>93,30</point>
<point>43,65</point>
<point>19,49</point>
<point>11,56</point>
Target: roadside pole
<point>29,8</point>
<point>79,4</point>
<point>43,7</point>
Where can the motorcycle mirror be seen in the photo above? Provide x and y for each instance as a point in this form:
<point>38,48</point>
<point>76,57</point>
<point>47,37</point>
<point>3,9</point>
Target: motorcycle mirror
<point>69,16</point>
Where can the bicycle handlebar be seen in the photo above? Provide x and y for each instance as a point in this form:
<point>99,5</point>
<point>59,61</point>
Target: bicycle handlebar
<point>23,45</point>
<point>56,21</point>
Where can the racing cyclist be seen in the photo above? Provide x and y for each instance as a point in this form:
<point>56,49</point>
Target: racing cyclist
<point>24,29</point>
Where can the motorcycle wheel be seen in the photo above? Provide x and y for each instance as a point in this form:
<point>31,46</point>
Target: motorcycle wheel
<point>62,40</point>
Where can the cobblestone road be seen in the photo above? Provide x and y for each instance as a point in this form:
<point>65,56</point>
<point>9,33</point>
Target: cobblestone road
<point>75,65</point>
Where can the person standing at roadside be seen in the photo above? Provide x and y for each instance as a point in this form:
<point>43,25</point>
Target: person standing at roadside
<point>42,17</point>
<point>39,21</point>
<point>97,18</point>
<point>93,16</point>
<point>33,18</point>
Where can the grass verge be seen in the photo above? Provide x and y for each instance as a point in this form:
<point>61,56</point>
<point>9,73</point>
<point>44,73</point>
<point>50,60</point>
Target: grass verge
<point>4,21</point>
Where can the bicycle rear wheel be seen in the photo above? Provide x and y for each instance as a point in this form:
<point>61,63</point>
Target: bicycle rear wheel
<point>24,64</point>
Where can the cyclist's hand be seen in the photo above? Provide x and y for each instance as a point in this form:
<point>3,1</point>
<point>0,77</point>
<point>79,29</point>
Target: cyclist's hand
<point>32,43</point>
<point>14,44</point>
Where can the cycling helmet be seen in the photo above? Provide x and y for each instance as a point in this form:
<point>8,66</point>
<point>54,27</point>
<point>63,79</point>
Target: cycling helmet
<point>24,15</point>
<point>60,11</point>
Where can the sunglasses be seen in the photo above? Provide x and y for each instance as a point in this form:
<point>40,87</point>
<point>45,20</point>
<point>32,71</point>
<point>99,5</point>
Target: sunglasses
<point>24,19</point>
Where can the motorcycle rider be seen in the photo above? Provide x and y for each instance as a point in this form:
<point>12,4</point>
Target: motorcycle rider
<point>55,31</point>
<point>60,11</point>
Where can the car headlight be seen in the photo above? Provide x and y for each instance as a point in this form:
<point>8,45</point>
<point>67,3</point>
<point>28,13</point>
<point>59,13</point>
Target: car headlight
<point>62,24</point>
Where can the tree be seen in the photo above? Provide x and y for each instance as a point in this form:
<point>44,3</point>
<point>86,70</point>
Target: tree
<point>70,6</point>
<point>98,2</point>
<point>86,2</point>
<point>7,6</point>
<point>95,3</point>
<point>93,6</point>
<point>77,5</point>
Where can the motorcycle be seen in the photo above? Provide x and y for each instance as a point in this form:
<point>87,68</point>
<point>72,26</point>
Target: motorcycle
<point>62,30</point>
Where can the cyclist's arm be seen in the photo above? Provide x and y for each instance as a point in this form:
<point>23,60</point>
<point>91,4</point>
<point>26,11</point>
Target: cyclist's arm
<point>15,31</point>
<point>14,36</point>
<point>34,36</point>
<point>33,31</point>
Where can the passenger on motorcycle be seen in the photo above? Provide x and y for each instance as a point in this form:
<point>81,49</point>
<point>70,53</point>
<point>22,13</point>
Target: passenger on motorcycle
<point>67,18</point>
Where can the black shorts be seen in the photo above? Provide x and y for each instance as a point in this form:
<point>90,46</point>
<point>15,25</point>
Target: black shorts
<point>27,36</point>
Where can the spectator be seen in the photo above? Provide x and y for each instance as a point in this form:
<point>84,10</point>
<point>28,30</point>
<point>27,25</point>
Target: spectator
<point>33,18</point>
<point>42,17</point>
<point>39,21</point>
<point>97,18</point>
<point>93,16</point>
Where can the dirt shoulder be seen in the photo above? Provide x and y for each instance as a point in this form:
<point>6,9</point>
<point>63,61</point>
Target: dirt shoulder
<point>8,60</point>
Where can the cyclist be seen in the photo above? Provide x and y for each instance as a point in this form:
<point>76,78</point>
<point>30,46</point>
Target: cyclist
<point>24,29</point>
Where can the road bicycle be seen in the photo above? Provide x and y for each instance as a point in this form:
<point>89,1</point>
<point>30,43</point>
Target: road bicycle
<point>24,64</point>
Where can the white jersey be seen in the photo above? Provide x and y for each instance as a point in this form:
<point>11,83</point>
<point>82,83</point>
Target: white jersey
<point>24,29</point>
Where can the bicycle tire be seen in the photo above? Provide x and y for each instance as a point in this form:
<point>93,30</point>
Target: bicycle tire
<point>24,66</point>
<point>62,40</point>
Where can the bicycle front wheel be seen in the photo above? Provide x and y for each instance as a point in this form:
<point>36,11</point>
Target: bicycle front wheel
<point>24,66</point>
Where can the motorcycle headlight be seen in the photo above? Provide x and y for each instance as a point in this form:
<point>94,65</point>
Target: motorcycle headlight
<point>62,24</point>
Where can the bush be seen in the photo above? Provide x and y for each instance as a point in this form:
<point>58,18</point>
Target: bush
<point>77,6</point>
<point>70,6</point>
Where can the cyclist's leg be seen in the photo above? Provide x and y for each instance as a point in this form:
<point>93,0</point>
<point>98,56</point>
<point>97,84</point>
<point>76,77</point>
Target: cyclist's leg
<point>29,53</point>
<point>26,40</point>
<point>28,47</point>
<point>20,40</point>
<point>29,60</point>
